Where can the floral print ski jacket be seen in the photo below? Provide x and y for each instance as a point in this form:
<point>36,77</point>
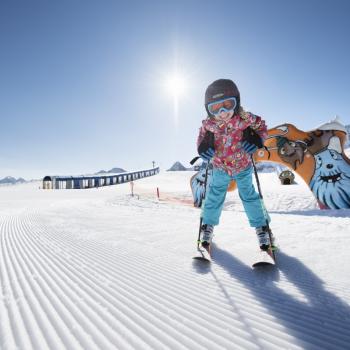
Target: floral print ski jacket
<point>229,154</point>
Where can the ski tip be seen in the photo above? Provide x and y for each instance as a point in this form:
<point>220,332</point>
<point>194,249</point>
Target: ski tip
<point>202,258</point>
<point>263,264</point>
<point>265,259</point>
<point>202,254</point>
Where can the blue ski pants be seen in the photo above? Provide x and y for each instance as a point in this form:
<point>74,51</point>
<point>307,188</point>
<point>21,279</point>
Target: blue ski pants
<point>215,198</point>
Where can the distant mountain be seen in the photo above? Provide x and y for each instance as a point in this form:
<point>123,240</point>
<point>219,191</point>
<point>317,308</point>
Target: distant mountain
<point>177,166</point>
<point>9,180</point>
<point>112,171</point>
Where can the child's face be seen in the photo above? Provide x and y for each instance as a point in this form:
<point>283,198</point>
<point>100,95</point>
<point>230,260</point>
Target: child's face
<point>224,116</point>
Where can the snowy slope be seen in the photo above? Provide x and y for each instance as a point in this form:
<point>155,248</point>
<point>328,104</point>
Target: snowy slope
<point>99,269</point>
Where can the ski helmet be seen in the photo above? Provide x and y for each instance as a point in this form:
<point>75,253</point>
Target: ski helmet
<point>221,89</point>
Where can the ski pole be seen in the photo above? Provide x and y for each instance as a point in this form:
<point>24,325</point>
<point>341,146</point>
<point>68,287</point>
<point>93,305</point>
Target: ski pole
<point>263,205</point>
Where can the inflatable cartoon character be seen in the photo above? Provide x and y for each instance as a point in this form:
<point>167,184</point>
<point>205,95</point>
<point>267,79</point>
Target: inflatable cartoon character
<point>317,156</point>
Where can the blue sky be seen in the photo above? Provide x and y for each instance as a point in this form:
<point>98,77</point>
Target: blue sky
<point>82,82</point>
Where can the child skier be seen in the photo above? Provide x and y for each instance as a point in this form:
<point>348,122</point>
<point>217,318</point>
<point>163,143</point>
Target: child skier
<point>221,139</point>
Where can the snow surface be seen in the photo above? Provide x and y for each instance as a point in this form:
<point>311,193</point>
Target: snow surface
<point>99,269</point>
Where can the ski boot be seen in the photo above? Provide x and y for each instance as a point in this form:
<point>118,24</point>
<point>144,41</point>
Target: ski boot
<point>263,235</point>
<point>206,236</point>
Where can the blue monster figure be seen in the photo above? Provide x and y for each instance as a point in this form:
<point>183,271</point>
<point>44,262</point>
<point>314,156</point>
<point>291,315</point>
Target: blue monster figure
<point>197,184</point>
<point>331,180</point>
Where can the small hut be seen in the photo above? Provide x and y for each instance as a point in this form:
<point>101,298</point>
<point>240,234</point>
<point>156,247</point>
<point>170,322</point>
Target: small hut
<point>286,177</point>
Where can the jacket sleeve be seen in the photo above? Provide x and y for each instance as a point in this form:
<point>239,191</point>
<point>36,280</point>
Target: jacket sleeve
<point>206,140</point>
<point>256,123</point>
<point>201,135</point>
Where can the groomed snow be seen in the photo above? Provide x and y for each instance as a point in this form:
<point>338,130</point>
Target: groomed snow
<point>99,269</point>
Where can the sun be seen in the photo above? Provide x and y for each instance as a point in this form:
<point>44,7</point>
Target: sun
<point>176,85</point>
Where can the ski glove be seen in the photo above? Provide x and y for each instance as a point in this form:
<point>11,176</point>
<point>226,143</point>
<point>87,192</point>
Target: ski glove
<point>208,154</point>
<point>250,148</point>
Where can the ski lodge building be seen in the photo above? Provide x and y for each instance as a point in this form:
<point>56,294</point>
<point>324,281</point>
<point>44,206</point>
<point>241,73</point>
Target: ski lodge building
<point>91,181</point>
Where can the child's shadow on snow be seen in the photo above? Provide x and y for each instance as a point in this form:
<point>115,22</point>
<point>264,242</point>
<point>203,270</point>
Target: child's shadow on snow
<point>316,317</point>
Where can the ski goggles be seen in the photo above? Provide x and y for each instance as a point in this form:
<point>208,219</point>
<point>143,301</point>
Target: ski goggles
<point>225,105</point>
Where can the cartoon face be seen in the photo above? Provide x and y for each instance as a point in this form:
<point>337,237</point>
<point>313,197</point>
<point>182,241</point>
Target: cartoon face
<point>325,162</point>
<point>291,152</point>
<point>331,181</point>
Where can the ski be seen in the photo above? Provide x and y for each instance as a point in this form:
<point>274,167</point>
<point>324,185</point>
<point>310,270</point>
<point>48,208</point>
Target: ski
<point>202,255</point>
<point>265,259</point>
